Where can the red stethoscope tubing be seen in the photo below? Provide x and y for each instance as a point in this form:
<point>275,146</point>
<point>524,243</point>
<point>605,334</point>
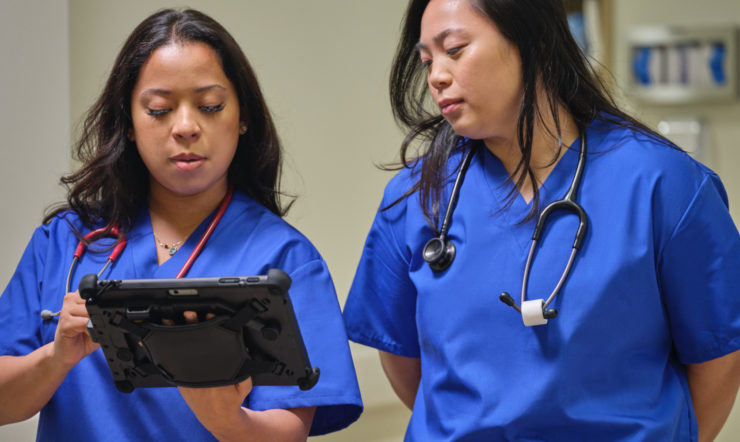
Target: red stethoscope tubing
<point>207,234</point>
<point>118,249</point>
<point>96,234</point>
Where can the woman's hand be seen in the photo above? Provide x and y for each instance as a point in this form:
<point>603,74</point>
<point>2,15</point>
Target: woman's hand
<point>215,407</point>
<point>28,382</point>
<point>218,408</point>
<point>72,342</point>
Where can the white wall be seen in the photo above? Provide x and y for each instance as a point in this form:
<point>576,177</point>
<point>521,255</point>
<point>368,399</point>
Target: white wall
<point>721,117</point>
<point>34,130</point>
<point>34,118</point>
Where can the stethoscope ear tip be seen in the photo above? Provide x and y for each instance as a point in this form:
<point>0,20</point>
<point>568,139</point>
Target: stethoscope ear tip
<point>508,300</point>
<point>47,314</point>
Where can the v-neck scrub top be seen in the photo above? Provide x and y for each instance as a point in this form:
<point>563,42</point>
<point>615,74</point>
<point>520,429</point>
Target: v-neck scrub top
<point>249,240</point>
<point>655,286</point>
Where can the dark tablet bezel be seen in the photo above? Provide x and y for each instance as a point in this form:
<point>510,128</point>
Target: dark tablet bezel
<point>251,331</point>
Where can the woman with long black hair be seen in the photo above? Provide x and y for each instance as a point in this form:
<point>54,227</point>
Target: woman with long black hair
<point>620,317</point>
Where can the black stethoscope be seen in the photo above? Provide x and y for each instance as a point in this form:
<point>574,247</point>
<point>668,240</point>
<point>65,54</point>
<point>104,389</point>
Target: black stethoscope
<point>114,232</point>
<point>439,252</point>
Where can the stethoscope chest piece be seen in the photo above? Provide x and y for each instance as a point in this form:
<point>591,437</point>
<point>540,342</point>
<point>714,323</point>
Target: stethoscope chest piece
<point>439,253</point>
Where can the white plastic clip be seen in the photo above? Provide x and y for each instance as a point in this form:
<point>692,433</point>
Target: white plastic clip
<point>533,312</point>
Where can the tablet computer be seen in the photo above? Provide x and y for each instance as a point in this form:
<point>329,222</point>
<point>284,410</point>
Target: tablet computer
<point>246,327</point>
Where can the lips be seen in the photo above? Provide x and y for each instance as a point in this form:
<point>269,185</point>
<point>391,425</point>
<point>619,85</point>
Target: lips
<point>449,105</point>
<point>187,161</point>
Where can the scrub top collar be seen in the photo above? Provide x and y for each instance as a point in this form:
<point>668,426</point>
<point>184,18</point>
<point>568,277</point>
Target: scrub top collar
<point>141,241</point>
<point>555,186</point>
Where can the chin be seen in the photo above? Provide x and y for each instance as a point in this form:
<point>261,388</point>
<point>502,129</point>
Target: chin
<point>465,131</point>
<point>476,132</point>
<point>186,190</point>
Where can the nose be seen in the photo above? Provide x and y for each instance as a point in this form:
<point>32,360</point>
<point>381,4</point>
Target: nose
<point>186,127</point>
<point>439,76</point>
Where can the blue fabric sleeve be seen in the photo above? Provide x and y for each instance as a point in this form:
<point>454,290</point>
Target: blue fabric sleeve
<point>381,307</point>
<point>699,274</point>
<point>20,323</point>
<point>336,395</point>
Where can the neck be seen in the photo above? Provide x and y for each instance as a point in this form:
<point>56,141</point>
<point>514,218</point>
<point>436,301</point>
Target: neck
<point>546,150</point>
<point>174,217</point>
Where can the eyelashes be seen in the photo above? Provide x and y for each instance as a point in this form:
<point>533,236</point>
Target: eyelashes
<point>206,109</point>
<point>212,109</point>
<point>452,52</point>
<point>157,112</point>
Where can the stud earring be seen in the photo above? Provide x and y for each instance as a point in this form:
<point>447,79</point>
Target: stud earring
<point>243,129</point>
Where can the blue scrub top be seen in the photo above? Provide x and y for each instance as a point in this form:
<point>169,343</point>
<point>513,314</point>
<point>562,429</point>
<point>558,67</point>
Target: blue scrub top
<point>654,287</point>
<point>249,240</point>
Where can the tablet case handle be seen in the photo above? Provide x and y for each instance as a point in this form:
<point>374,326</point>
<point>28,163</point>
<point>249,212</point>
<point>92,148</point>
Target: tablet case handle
<point>219,339</point>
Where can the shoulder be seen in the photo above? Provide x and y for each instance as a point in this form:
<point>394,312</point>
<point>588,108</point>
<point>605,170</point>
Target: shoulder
<point>51,240</point>
<point>399,187</point>
<point>265,233</point>
<point>655,177</point>
<point>62,226</point>
<point>647,159</point>
<point>403,181</point>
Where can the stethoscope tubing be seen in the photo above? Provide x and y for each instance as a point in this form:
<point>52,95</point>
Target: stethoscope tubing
<point>114,231</point>
<point>90,237</point>
<point>567,203</point>
<point>452,203</point>
<point>439,252</point>
<point>207,234</point>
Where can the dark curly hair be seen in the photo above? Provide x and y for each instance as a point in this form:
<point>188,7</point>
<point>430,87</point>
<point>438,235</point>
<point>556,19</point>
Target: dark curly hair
<point>111,185</point>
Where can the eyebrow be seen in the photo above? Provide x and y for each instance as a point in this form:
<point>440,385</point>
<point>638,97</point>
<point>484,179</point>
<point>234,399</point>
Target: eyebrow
<point>166,92</point>
<point>439,38</point>
<point>209,87</point>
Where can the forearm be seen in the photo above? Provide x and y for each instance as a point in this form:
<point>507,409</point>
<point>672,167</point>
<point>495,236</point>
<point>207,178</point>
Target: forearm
<point>270,425</point>
<point>28,382</point>
<point>404,374</point>
<point>714,387</point>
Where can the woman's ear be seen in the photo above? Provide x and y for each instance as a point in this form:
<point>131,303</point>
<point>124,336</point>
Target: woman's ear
<point>242,128</point>
<point>130,134</point>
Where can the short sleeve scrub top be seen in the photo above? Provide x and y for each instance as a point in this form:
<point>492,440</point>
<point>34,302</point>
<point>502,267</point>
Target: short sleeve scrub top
<point>655,286</point>
<point>249,240</point>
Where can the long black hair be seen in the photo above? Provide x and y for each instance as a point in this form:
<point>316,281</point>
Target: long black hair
<point>111,183</point>
<point>551,60</point>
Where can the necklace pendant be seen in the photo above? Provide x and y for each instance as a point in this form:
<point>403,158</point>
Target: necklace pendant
<point>172,250</point>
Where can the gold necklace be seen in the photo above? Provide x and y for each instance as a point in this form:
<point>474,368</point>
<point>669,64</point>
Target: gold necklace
<point>172,249</point>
